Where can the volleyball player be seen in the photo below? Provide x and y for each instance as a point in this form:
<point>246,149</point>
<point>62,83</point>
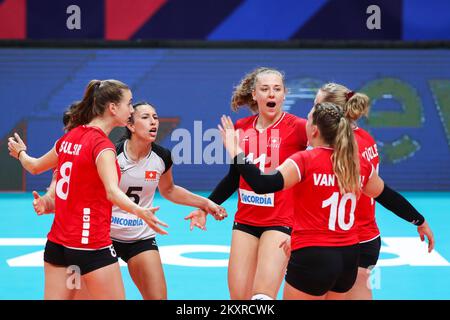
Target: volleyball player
<point>327,181</point>
<point>356,105</point>
<point>86,187</point>
<point>145,166</point>
<point>256,264</point>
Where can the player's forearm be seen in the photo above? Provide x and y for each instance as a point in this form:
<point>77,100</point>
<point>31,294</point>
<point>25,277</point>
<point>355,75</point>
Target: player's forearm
<point>180,195</point>
<point>226,187</point>
<point>397,204</point>
<point>120,199</point>
<point>29,163</point>
<point>260,182</point>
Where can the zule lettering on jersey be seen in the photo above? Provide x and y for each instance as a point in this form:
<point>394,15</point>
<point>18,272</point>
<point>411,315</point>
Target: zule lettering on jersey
<point>366,223</point>
<point>370,153</point>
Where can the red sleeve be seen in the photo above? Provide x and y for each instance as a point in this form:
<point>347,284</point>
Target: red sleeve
<point>298,159</point>
<point>58,143</point>
<point>101,144</point>
<point>301,129</point>
<point>367,170</point>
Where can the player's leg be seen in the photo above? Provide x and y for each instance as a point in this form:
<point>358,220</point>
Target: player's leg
<point>82,293</point>
<point>242,264</point>
<point>56,283</point>
<point>361,290</point>
<point>105,283</point>
<point>57,286</point>
<point>147,273</point>
<point>100,272</point>
<point>368,258</point>
<point>271,265</point>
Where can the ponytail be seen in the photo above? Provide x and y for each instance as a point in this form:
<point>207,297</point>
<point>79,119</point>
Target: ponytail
<point>345,158</point>
<point>336,130</point>
<point>96,97</point>
<point>354,104</point>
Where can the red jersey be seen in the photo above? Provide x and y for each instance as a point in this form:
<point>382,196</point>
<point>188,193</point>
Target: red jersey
<point>82,213</point>
<point>323,216</point>
<point>268,149</point>
<point>367,226</point>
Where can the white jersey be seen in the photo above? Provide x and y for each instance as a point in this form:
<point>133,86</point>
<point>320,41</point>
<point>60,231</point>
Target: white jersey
<point>139,181</point>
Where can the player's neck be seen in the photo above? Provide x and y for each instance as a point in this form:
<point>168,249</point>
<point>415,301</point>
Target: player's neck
<point>137,149</point>
<point>103,124</point>
<point>318,142</point>
<point>263,123</point>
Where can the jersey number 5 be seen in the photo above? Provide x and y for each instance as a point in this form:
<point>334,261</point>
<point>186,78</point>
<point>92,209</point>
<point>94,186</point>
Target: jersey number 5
<point>337,210</point>
<point>132,195</point>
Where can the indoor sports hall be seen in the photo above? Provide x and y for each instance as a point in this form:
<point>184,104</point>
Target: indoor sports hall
<point>186,63</point>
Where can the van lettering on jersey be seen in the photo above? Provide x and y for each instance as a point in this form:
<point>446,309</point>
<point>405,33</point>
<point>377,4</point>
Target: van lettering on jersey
<point>321,179</point>
<point>261,200</point>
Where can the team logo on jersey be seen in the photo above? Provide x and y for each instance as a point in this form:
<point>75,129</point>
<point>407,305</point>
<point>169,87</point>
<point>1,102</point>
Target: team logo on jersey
<point>261,200</point>
<point>274,142</point>
<point>150,175</point>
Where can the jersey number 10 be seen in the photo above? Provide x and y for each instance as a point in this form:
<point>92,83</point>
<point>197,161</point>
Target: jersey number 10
<point>337,210</point>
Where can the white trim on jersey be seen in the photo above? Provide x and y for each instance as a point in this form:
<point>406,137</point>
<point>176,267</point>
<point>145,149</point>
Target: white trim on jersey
<point>54,147</point>
<point>370,239</point>
<point>87,249</point>
<point>271,126</point>
<point>296,167</point>
<point>104,151</point>
<point>371,172</point>
<point>279,120</point>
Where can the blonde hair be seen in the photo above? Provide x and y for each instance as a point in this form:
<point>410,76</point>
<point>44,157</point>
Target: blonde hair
<point>354,104</point>
<point>336,131</point>
<point>242,94</point>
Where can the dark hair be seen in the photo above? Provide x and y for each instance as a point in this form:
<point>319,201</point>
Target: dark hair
<point>127,133</point>
<point>97,95</point>
<point>336,131</point>
<point>66,114</point>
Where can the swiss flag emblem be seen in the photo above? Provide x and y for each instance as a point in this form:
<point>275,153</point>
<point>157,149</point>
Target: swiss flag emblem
<point>150,175</point>
<point>274,142</point>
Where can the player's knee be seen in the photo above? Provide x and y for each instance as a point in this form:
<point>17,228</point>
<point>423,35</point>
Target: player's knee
<point>261,296</point>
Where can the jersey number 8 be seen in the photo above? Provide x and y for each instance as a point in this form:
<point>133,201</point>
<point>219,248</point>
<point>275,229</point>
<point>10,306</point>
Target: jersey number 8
<point>65,178</point>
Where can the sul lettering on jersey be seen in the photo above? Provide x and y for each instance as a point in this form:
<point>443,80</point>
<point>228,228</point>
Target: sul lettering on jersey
<point>66,147</point>
<point>370,152</point>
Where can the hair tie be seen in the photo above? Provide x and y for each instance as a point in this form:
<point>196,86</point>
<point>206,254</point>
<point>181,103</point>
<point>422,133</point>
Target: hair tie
<point>349,94</point>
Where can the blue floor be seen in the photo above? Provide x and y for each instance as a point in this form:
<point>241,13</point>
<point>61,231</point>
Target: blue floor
<point>195,262</point>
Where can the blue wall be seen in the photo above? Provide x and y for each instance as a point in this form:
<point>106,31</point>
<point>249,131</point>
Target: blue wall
<point>225,20</point>
<point>410,114</point>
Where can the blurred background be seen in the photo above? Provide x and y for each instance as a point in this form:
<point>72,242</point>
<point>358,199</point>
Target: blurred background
<point>186,56</point>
